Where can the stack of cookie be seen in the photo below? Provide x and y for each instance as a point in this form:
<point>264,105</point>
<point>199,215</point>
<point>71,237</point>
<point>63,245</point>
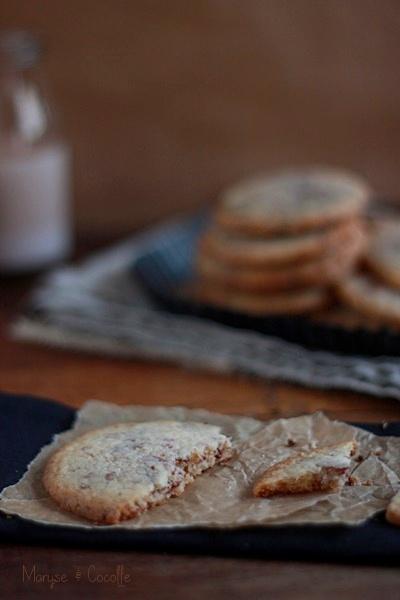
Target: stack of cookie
<point>278,244</point>
<point>375,292</point>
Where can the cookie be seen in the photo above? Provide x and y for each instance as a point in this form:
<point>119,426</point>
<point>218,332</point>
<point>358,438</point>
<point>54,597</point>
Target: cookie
<point>371,298</point>
<point>319,470</point>
<point>383,254</point>
<point>393,510</point>
<point>241,251</point>
<point>291,201</point>
<point>323,271</point>
<point>285,303</point>
<point>115,473</point>
<point>346,318</point>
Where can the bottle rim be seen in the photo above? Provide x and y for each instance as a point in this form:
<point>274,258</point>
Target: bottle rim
<point>19,49</point>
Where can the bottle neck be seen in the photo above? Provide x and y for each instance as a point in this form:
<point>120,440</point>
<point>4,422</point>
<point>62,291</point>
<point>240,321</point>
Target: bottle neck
<point>19,50</point>
<point>24,114</point>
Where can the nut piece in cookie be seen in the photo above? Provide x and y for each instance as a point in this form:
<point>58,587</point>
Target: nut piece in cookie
<point>319,470</point>
<point>115,473</point>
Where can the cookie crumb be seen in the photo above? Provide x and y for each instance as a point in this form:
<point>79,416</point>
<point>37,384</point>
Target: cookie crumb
<point>290,443</point>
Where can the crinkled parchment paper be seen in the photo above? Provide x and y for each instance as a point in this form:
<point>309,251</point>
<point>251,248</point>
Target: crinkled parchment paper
<point>222,497</point>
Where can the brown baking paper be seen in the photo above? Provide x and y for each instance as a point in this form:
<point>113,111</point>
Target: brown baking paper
<point>222,497</point>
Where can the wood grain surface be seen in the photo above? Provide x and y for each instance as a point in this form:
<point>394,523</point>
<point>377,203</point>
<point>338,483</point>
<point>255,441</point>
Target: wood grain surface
<point>166,102</point>
<point>73,378</point>
<point>162,577</point>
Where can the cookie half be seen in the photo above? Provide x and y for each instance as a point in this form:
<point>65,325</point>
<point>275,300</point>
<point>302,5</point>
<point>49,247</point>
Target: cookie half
<point>383,254</point>
<point>371,298</point>
<point>284,303</point>
<point>319,470</point>
<point>241,251</point>
<point>115,473</point>
<point>318,272</point>
<point>291,201</point>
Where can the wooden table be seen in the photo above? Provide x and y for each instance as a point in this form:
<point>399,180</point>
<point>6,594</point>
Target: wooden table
<point>73,378</point>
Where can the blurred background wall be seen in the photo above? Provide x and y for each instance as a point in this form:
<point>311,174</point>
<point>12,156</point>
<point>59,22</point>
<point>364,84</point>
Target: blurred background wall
<point>167,101</point>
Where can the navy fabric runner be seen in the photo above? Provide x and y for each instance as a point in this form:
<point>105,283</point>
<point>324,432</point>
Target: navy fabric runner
<point>28,423</point>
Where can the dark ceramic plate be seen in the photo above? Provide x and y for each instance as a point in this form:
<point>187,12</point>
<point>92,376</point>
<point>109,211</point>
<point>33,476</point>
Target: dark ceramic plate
<point>166,267</point>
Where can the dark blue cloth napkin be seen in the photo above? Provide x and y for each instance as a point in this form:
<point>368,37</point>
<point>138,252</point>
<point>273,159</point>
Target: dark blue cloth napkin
<point>27,423</point>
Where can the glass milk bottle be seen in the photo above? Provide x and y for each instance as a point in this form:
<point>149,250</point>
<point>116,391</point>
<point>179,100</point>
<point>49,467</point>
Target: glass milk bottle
<point>35,175</point>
